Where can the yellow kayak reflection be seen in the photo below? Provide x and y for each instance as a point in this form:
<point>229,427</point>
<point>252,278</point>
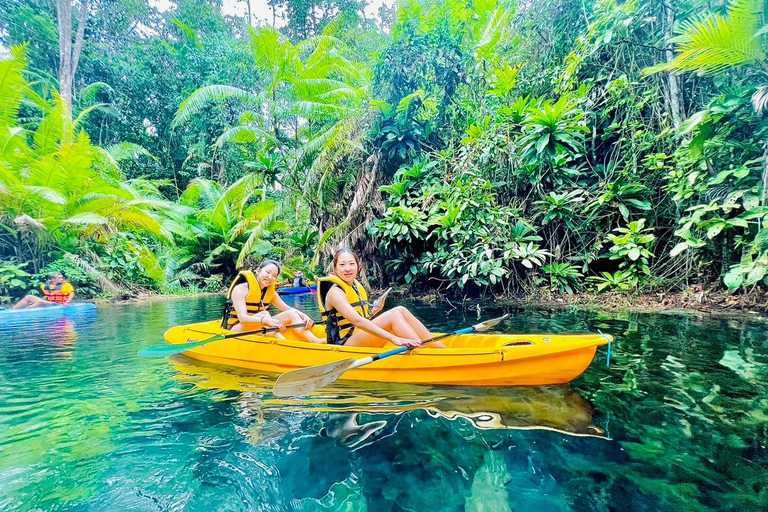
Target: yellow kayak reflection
<point>556,408</point>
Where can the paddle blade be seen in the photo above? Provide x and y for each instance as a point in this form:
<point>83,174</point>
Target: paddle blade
<point>484,326</point>
<point>305,380</point>
<point>166,349</point>
<point>163,350</point>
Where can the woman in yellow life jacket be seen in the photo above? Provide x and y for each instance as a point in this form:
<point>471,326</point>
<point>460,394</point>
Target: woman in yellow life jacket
<point>248,301</point>
<point>56,291</point>
<point>349,319</point>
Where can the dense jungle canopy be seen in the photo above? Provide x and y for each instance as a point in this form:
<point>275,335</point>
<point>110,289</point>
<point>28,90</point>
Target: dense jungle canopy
<point>462,146</point>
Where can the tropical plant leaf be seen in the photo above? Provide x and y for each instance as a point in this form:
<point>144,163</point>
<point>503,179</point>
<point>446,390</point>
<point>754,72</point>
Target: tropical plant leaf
<point>204,95</point>
<point>713,43</point>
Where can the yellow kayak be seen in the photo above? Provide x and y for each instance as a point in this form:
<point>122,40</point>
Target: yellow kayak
<point>469,360</point>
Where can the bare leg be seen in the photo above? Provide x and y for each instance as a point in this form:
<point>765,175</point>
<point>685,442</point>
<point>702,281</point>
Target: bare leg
<point>415,323</point>
<point>400,322</point>
<point>32,301</point>
<point>393,321</point>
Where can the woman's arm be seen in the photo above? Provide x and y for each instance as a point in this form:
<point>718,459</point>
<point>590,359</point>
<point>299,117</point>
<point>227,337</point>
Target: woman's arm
<point>263,317</point>
<point>337,299</point>
<point>278,302</point>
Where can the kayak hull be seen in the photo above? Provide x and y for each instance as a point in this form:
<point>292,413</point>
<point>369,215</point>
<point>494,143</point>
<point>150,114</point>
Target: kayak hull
<point>76,308</point>
<point>294,290</point>
<point>469,360</point>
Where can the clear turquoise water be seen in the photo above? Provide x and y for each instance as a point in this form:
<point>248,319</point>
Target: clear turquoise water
<point>678,422</point>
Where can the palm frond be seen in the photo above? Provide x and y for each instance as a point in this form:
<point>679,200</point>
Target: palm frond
<point>713,43</point>
<point>244,134</point>
<point>87,219</point>
<point>84,113</point>
<point>201,193</point>
<point>128,150</point>
<point>204,95</point>
<point>48,194</point>
<point>12,85</point>
<point>257,233</point>
<point>273,53</point>
<point>89,92</point>
<point>104,282</point>
<point>256,213</point>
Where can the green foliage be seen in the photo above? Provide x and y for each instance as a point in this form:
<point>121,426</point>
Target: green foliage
<point>464,147</point>
<point>455,232</point>
<point>13,280</point>
<point>227,225</point>
<point>563,277</point>
<point>632,246</point>
<point>621,280</point>
<point>214,284</point>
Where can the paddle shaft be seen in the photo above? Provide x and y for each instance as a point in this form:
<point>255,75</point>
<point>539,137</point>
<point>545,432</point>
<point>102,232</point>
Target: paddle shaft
<point>165,350</point>
<point>400,350</point>
<point>263,330</point>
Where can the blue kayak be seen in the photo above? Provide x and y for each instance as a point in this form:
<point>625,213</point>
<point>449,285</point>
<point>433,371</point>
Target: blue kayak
<point>76,308</point>
<point>295,290</point>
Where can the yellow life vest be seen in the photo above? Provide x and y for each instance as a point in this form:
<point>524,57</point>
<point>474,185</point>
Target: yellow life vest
<point>58,293</point>
<point>256,301</point>
<point>337,328</point>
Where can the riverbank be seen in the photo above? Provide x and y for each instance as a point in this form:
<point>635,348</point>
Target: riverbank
<point>693,301</point>
<point>152,297</point>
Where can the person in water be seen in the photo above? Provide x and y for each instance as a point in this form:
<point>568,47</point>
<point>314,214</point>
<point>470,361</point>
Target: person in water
<point>56,291</point>
<point>349,317</point>
<point>248,301</point>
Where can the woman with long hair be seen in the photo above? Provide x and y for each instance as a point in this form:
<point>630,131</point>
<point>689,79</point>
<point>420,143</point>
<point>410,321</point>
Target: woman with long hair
<point>349,317</point>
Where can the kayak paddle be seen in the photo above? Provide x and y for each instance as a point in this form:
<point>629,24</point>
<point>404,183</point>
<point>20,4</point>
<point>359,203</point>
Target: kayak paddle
<point>305,380</point>
<point>167,349</point>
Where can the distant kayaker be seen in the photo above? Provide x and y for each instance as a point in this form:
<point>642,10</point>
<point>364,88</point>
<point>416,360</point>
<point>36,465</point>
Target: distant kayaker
<point>298,279</point>
<point>248,301</point>
<point>57,290</point>
<point>349,319</point>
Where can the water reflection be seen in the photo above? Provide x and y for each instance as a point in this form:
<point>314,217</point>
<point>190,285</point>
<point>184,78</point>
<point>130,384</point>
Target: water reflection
<point>556,408</point>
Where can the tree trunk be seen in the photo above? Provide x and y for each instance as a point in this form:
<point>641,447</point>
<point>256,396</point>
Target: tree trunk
<point>673,81</point>
<point>69,52</point>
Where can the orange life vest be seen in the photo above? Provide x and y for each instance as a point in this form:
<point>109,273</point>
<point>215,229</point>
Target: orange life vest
<point>58,293</point>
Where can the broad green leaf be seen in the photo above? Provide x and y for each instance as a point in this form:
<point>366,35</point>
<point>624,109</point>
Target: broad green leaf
<point>733,279</point>
<point>715,230</point>
<point>678,249</point>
